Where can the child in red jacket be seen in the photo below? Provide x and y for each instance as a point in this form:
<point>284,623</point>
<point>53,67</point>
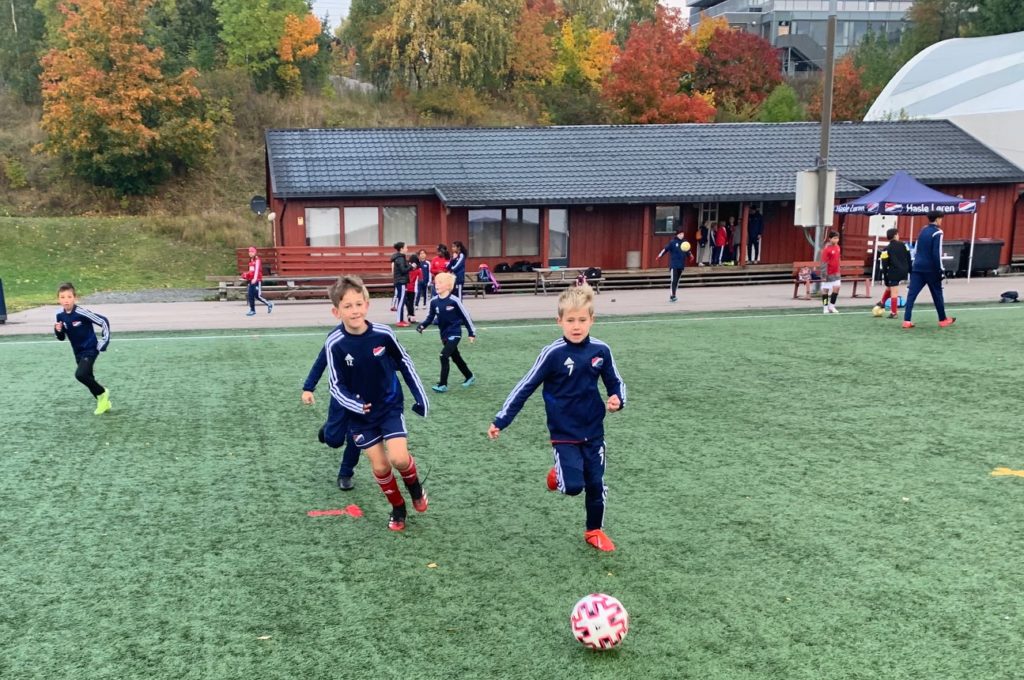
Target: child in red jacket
<point>410,288</point>
<point>721,236</point>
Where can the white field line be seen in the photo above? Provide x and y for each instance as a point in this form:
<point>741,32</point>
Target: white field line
<point>602,321</point>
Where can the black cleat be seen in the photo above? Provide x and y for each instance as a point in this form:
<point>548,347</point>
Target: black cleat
<point>345,483</point>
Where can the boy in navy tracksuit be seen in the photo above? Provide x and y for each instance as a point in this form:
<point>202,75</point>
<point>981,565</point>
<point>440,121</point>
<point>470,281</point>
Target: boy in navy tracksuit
<point>76,324</point>
<point>676,260</point>
<point>451,317</point>
<point>569,368</point>
<point>363,362</point>
<point>400,270</point>
<point>927,271</point>
<point>338,432</point>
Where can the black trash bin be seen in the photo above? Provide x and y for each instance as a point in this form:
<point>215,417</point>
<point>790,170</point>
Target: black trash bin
<point>951,251</point>
<point>987,252</point>
<point>3,303</point>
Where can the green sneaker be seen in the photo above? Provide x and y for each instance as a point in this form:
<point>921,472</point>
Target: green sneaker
<point>102,403</point>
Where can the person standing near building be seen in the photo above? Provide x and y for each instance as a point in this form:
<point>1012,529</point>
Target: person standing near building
<point>457,266</point>
<point>927,271</point>
<point>895,261</point>
<point>400,270</point>
<point>755,228</point>
<point>830,268</point>
<point>676,260</point>
<point>254,276</point>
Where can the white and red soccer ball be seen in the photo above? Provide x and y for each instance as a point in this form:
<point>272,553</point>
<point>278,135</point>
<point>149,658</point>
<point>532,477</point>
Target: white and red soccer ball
<point>599,621</point>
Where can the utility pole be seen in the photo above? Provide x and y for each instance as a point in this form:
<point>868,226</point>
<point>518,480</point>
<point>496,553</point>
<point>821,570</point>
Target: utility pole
<point>824,202</point>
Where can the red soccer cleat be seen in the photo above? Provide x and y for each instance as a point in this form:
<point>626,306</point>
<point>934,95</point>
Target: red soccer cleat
<point>396,522</point>
<point>908,324</point>
<point>420,504</point>
<point>402,324</point>
<point>599,540</point>
<point>552,480</point>
<point>948,321</point>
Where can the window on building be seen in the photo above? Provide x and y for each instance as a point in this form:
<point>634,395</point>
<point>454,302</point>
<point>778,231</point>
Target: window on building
<point>323,227</point>
<point>399,224</point>
<point>485,233</point>
<point>666,219</point>
<point>380,226</point>
<point>509,232</point>
<point>708,213</point>
<point>522,231</point>
<point>558,234</point>
<point>361,227</point>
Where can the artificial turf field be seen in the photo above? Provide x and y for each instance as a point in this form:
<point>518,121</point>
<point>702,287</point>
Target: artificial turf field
<point>792,496</point>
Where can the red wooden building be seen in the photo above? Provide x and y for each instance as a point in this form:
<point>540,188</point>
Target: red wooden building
<point>605,196</point>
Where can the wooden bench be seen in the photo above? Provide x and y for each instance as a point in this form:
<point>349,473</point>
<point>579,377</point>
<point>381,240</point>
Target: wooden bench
<point>849,271</point>
<point>293,287</point>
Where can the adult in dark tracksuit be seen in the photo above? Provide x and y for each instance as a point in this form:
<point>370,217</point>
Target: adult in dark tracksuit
<point>400,270</point>
<point>927,271</point>
<point>451,316</point>
<point>334,432</point>
<point>755,228</point>
<point>676,261</point>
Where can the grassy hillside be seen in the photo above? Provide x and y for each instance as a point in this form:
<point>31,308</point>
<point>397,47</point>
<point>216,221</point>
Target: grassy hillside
<point>109,253</point>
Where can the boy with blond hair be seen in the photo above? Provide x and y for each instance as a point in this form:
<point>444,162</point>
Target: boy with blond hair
<point>363,359</point>
<point>451,316</point>
<point>569,368</point>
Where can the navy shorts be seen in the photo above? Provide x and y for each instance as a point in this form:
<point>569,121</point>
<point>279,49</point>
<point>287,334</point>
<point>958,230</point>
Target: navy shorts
<point>368,433</point>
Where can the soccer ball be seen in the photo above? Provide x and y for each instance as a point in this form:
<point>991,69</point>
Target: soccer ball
<point>599,621</point>
<point>877,311</point>
<point>685,246</point>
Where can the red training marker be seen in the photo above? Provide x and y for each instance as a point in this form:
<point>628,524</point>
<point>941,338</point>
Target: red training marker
<point>351,510</point>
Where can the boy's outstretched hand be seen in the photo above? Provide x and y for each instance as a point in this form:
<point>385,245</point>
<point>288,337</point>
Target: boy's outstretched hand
<point>307,397</point>
<point>614,403</point>
<point>493,431</point>
<point>419,410</point>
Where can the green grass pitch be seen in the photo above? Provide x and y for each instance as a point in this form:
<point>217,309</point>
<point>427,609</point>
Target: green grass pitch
<point>792,496</point>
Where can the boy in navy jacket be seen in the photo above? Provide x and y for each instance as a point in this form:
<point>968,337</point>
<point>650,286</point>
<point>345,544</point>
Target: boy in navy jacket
<point>568,369</point>
<point>451,317</point>
<point>676,260</point>
<point>338,432</point>
<point>927,271</point>
<point>76,325</point>
<point>363,362</point>
<point>457,266</point>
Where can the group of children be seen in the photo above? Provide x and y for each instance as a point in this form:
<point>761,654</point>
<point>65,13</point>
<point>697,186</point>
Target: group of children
<point>414,277</point>
<point>363,360</point>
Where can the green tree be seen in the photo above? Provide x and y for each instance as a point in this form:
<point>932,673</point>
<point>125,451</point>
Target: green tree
<point>21,40</point>
<point>935,20</point>
<point>879,59</point>
<point>782,106</point>
<point>599,14</point>
<point>252,31</point>
<point>189,33</point>
<point>995,17</point>
<point>109,111</point>
<point>365,18</point>
<point>629,13</point>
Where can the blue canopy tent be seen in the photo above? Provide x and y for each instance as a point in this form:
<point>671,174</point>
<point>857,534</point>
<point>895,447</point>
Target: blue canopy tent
<point>903,195</point>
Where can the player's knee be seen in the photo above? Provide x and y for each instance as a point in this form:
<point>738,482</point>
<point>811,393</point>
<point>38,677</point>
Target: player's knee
<point>573,488</point>
<point>82,374</point>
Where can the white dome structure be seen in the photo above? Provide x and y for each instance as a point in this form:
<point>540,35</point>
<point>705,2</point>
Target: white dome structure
<point>976,83</point>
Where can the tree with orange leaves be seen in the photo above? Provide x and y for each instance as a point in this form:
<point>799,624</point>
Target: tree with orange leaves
<point>298,43</point>
<point>649,82</point>
<point>107,107</point>
<point>850,99</point>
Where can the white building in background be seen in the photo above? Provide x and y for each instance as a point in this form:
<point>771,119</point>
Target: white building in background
<point>976,83</point>
<point>798,27</point>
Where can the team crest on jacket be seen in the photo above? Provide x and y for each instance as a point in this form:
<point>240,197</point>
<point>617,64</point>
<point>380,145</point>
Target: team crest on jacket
<point>596,362</point>
<point>378,351</point>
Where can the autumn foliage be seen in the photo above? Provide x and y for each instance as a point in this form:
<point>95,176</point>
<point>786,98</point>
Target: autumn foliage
<point>109,110</point>
<point>740,68</point>
<point>298,43</point>
<point>850,99</point>
<point>648,82</point>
